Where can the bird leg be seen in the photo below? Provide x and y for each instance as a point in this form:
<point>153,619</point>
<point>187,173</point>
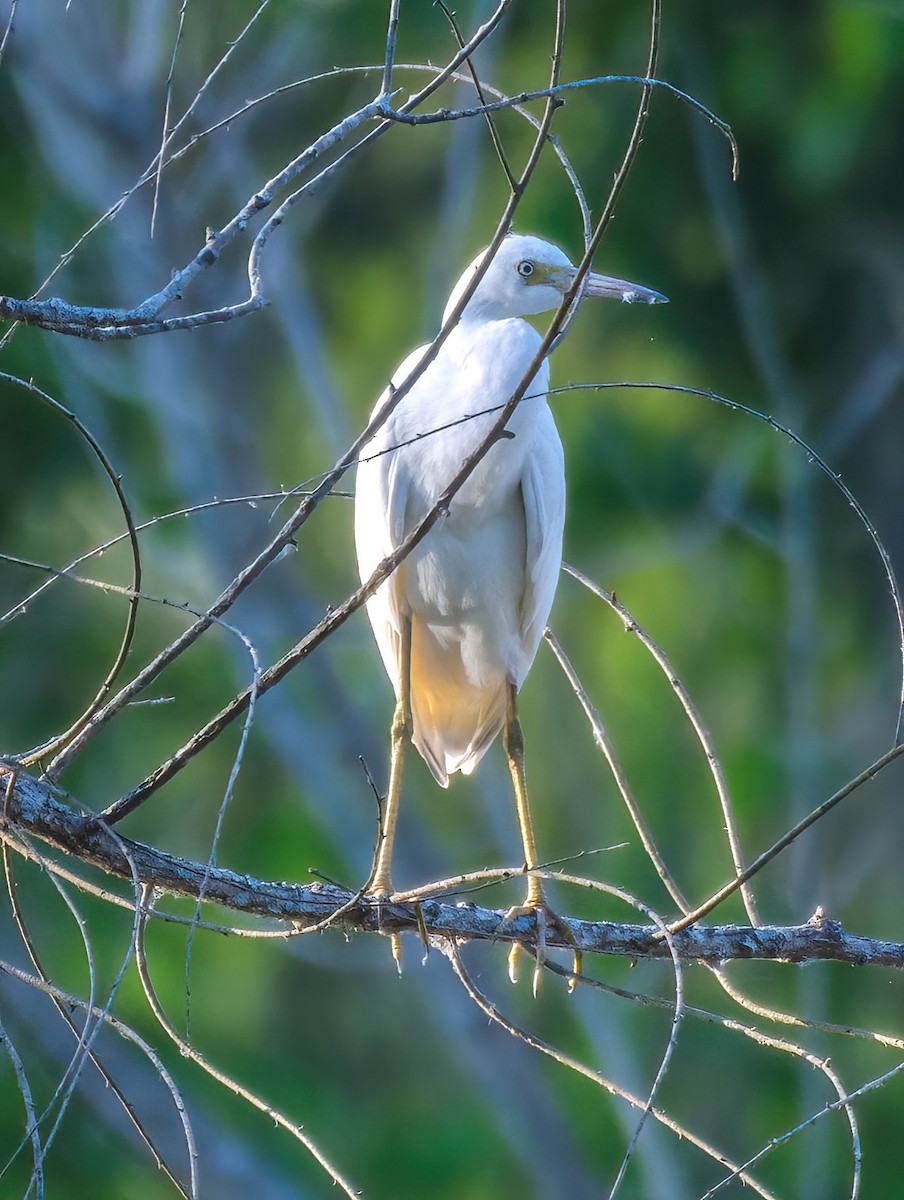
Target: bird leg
<point>535,901</point>
<point>400,736</point>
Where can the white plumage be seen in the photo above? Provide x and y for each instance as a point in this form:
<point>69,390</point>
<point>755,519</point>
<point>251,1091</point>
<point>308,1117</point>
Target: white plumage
<point>478,589</point>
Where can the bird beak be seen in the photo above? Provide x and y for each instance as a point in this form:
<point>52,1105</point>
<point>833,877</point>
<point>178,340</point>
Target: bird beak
<point>621,289</point>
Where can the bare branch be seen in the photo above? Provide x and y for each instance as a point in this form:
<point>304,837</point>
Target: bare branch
<point>696,722</point>
<point>621,780</point>
<point>127,1034</point>
<point>35,809</point>
<point>487,108</point>
<point>787,838</point>
<point>131,533</point>
<point>190,1052</point>
<point>816,460</point>
<point>573,1064</point>
<point>104,324</point>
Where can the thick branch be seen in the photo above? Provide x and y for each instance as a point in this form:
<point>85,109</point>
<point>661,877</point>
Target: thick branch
<point>36,809</point>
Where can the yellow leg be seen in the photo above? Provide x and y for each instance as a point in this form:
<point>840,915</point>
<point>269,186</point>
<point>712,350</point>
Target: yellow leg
<point>514,751</point>
<point>400,737</point>
<point>535,901</point>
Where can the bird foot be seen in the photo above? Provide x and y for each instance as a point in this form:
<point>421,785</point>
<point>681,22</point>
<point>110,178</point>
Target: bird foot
<point>395,944</point>
<point>381,898</point>
<point>546,919</point>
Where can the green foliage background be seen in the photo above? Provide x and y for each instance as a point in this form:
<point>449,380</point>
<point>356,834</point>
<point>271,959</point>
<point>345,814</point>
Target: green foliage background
<point>738,556</point>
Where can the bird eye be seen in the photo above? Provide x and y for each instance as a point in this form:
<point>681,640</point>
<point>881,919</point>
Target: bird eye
<point>525,269</point>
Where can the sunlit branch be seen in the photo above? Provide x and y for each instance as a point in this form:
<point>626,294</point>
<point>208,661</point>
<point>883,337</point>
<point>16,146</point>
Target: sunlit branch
<point>35,809</point>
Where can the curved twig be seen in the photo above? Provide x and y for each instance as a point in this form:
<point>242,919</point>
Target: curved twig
<point>559,1056</point>
<point>700,730</point>
<point>124,1031</point>
<point>814,458</point>
<point>64,1012</point>
<point>648,82</point>
<point>128,632</point>
<point>621,780</point>
<point>32,1131</point>
<point>188,1051</point>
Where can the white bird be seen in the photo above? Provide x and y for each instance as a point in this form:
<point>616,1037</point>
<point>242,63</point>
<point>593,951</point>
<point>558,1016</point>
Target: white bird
<point>459,621</point>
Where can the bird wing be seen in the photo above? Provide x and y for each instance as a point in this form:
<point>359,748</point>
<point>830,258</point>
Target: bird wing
<point>381,487</point>
<point>381,496</point>
<point>543,495</point>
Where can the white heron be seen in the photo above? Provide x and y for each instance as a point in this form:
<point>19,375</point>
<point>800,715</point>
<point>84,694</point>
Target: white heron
<point>459,621</point>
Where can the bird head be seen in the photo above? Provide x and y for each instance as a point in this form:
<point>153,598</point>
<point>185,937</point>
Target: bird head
<point>528,275</point>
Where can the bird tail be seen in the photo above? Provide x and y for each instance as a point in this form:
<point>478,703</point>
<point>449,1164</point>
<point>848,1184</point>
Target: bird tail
<point>455,722</point>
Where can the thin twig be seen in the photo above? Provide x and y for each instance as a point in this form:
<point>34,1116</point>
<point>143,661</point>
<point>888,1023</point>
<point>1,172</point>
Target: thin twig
<point>161,153</point>
<point>14,4</point>
<point>559,1056</point>
<point>132,614</point>
<point>57,573</point>
<point>812,457</point>
<point>758,1037</point>
<point>648,82</point>
<point>702,734</point>
<point>621,780</point>
<point>63,1011</point>
<point>491,124</point>
<point>787,838</point>
<point>32,1130</point>
<point>124,1031</point>
<point>188,1051</point>
<point>456,76</point>
<point>392,32</point>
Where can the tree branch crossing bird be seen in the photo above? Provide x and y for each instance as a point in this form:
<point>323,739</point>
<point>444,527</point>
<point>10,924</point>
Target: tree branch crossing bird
<point>459,621</point>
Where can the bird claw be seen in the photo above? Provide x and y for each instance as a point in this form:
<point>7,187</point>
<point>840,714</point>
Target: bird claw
<point>577,964</point>
<point>546,919</point>
<point>395,939</point>
<point>518,951</point>
<point>395,942</point>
